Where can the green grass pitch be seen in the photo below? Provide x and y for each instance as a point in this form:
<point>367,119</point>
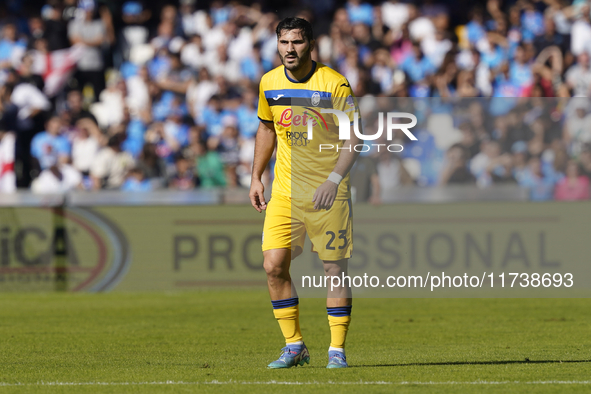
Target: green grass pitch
<point>221,341</point>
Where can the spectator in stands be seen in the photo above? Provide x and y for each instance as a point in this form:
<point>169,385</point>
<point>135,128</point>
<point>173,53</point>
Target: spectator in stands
<point>580,31</point>
<point>138,94</point>
<point>151,164</point>
<point>417,66</point>
<point>110,110</point>
<point>485,160</point>
<point>382,71</point>
<point>402,47</point>
<point>520,72</point>
<point>456,169</point>
<point>228,146</point>
<point>56,27</point>
<point>396,49</point>
<point>75,107</point>
<point>212,117</point>
<point>254,66</point>
<point>166,144</point>
<point>573,186</point>
<point>577,129</point>
<point>136,182</point>
<point>469,140</point>
<point>365,182</point>
<point>10,48</point>
<point>501,172</point>
<point>199,92</point>
<point>359,12</point>
<point>532,22</point>
<point>177,78</point>
<point>59,178</point>
<point>188,19</point>
<point>585,161</point>
<point>193,54</point>
<point>51,147</point>
<point>183,177</point>
<point>85,147</point>
<point>210,168</point>
<point>435,48</point>
<point>391,173</point>
<point>220,64</point>
<point>110,168</point>
<point>70,10</point>
<point>7,175</point>
<point>540,185</point>
<point>246,115</point>
<point>134,31</point>
<point>519,159</point>
<point>578,76</point>
<point>26,74</point>
<point>176,129</point>
<point>551,38</point>
<point>93,33</point>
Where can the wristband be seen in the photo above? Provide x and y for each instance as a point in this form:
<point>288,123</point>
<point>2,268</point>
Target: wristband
<point>335,178</point>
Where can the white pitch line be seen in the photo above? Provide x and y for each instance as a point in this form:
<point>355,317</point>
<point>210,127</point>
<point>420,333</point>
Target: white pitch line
<point>272,382</point>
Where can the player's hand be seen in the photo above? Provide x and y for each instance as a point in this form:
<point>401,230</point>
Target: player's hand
<point>257,195</point>
<point>325,195</point>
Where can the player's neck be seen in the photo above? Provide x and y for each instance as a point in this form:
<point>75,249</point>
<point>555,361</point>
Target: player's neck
<point>300,74</point>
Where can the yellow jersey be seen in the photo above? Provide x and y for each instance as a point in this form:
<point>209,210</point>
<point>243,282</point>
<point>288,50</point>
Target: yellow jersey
<point>301,165</point>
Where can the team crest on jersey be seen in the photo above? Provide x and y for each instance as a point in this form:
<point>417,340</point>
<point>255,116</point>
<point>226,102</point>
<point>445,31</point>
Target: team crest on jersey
<point>316,99</point>
<point>350,101</point>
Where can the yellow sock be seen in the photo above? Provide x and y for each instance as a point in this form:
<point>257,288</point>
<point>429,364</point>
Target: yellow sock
<point>339,318</point>
<point>289,321</point>
<point>339,325</point>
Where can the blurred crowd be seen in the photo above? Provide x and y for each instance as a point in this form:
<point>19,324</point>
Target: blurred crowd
<point>130,95</point>
<point>542,144</point>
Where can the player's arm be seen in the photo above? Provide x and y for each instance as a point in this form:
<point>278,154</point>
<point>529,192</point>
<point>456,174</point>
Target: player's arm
<point>343,100</point>
<point>263,150</point>
<point>325,194</point>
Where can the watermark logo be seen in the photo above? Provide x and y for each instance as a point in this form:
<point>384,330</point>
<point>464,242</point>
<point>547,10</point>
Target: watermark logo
<point>345,123</point>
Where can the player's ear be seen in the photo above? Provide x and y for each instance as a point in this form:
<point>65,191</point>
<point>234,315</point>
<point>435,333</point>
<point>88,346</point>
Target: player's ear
<point>312,45</point>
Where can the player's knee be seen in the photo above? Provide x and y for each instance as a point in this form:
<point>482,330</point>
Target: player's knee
<point>273,268</point>
<point>334,269</point>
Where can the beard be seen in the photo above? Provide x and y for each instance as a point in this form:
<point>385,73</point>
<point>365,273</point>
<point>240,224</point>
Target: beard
<point>298,62</point>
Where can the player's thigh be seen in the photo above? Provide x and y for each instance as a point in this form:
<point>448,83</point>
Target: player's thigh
<point>331,231</point>
<point>283,228</point>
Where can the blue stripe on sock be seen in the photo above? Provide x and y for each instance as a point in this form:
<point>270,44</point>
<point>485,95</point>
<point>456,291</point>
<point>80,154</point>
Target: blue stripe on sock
<point>339,311</point>
<point>279,304</point>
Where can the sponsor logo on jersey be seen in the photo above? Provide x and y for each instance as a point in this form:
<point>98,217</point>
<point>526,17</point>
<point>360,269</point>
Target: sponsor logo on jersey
<point>286,120</point>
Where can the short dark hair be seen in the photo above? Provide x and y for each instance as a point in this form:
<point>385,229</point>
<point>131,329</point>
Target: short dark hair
<point>296,24</point>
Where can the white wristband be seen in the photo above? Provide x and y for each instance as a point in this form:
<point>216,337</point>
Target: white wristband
<point>335,178</point>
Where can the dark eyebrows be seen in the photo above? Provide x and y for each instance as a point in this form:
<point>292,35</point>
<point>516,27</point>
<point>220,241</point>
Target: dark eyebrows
<point>298,41</point>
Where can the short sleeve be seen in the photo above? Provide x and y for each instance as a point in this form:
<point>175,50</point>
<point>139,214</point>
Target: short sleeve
<point>344,100</point>
<point>264,112</point>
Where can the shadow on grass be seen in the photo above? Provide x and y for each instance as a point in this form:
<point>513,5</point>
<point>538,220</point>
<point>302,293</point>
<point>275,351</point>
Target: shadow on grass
<point>501,362</point>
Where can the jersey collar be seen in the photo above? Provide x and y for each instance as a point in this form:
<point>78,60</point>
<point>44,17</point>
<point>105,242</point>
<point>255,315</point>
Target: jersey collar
<point>308,76</point>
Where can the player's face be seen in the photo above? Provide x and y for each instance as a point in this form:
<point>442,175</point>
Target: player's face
<point>294,49</point>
